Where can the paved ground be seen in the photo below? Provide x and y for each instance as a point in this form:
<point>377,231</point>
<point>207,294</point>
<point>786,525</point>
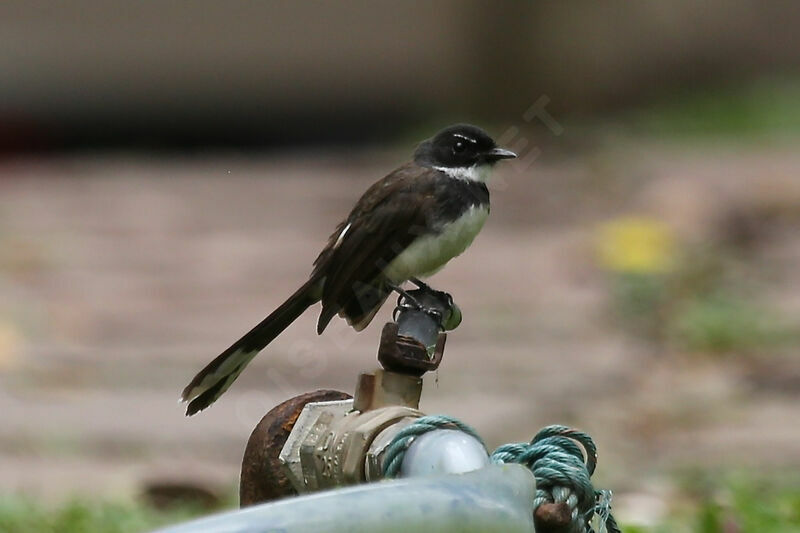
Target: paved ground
<point>120,276</point>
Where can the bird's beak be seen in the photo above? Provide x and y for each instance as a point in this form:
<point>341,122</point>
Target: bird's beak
<point>496,154</point>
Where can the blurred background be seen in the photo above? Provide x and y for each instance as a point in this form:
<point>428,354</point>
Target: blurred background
<point>169,170</point>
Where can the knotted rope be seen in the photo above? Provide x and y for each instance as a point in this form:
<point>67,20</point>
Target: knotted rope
<point>562,461</point>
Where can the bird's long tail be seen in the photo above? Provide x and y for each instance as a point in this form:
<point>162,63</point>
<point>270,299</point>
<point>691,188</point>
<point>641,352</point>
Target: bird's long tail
<point>211,382</point>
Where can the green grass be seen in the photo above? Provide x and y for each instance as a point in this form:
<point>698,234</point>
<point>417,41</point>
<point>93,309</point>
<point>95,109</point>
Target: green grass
<point>724,324</point>
<point>741,505</point>
<point>24,515</point>
<point>763,110</point>
<point>700,306</point>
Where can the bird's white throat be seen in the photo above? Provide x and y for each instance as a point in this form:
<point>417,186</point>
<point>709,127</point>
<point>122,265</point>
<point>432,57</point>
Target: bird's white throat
<point>479,173</point>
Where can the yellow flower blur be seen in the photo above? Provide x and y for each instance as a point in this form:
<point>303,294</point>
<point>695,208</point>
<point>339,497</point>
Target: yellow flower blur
<point>637,245</point>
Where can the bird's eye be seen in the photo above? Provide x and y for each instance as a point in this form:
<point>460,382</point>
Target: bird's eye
<point>459,147</point>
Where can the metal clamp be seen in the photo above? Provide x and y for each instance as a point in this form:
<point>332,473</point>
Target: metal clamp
<point>333,444</point>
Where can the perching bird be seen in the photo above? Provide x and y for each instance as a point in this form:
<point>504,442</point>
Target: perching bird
<point>406,226</point>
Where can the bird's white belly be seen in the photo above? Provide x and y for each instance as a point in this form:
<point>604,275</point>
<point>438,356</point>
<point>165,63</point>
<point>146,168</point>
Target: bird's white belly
<point>427,254</point>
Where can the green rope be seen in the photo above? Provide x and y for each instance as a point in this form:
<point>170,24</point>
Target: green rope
<point>562,461</point>
<point>396,450</point>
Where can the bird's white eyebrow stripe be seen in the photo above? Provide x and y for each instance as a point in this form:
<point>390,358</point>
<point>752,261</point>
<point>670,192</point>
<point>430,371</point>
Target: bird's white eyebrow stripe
<point>470,139</point>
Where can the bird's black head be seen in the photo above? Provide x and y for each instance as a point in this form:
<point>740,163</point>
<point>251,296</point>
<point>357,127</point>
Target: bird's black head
<point>460,146</point>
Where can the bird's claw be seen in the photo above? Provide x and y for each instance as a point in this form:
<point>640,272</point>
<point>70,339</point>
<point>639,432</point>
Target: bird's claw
<point>407,301</point>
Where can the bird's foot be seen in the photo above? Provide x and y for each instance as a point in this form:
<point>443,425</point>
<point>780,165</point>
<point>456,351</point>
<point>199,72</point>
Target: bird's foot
<point>424,287</point>
<point>406,300</point>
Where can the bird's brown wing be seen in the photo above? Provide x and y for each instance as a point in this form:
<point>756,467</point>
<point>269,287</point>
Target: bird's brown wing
<point>387,218</point>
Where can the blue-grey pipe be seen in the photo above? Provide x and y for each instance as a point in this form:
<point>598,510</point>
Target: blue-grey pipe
<point>497,498</point>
